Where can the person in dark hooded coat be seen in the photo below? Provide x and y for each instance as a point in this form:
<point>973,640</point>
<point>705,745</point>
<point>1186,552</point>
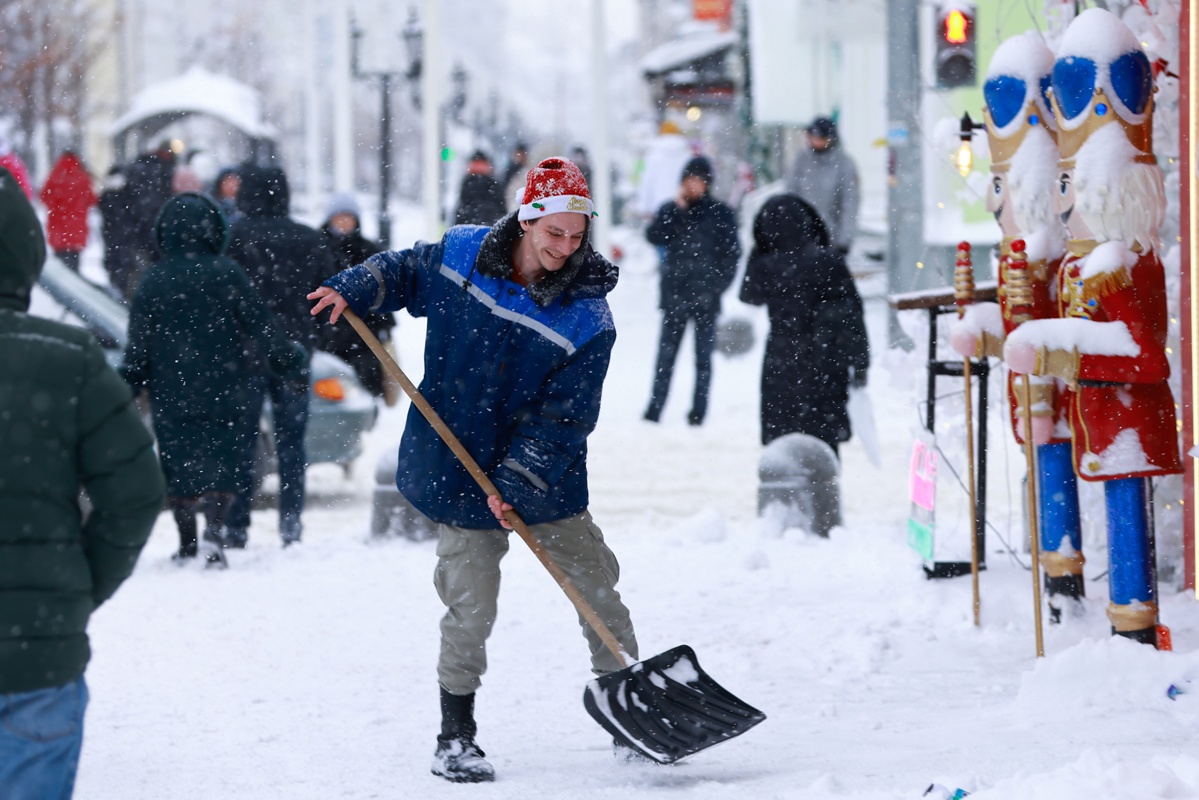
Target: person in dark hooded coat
<point>817,344</point>
<point>285,260</point>
<point>193,311</point>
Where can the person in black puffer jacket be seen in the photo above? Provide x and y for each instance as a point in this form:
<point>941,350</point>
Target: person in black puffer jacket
<point>69,425</point>
<point>481,199</point>
<point>285,261</point>
<point>817,344</point>
<point>698,237</point>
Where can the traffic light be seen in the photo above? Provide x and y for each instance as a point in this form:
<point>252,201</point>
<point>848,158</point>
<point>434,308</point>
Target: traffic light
<point>955,37</point>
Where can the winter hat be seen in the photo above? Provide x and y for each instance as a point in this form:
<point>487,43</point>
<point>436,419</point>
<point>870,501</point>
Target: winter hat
<point>553,186</point>
<point>823,127</point>
<point>342,203</point>
<point>698,167</point>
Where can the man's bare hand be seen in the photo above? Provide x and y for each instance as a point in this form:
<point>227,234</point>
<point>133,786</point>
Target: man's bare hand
<point>327,297</point>
<point>498,508</point>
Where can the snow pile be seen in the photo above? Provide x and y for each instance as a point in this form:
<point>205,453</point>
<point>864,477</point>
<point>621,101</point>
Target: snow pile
<point>1109,680</point>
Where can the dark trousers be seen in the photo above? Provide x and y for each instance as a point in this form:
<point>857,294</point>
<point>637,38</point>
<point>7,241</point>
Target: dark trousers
<point>289,412</point>
<point>674,323</point>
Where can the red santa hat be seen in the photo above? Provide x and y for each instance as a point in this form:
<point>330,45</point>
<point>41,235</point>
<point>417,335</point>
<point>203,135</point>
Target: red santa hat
<point>553,186</point>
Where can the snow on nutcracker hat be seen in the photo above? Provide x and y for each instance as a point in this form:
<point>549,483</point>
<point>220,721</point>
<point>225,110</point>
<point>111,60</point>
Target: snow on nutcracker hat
<point>553,186</point>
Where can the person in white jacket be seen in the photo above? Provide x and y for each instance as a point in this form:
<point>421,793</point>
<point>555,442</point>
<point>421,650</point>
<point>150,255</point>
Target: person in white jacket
<point>665,157</point>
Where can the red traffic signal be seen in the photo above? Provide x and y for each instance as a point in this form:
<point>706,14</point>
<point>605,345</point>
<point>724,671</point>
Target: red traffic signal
<point>953,62</point>
<point>957,27</point>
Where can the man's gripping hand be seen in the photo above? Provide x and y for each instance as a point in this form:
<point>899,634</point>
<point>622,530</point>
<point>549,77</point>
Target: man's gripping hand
<point>498,507</point>
<point>325,297</point>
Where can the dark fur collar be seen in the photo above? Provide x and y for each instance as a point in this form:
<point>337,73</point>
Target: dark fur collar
<point>586,274</point>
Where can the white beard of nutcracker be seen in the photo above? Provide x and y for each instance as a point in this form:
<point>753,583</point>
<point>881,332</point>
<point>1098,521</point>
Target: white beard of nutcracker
<point>1109,345</point>
<point>1022,135</point>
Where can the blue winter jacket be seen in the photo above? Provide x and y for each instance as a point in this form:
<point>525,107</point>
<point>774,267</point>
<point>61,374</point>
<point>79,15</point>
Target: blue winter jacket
<point>515,373</point>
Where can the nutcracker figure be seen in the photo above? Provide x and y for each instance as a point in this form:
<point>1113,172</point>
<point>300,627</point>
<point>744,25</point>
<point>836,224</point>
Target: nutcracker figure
<point>1109,344</point>
<point>1022,135</point>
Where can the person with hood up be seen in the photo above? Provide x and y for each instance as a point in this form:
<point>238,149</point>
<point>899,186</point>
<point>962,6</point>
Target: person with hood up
<point>825,178</point>
<point>67,196</point>
<point>519,338</point>
<point>69,427</point>
<point>284,260</point>
<point>481,199</point>
<point>817,344</point>
<point>350,248</point>
<point>698,237</point>
<point>193,311</point>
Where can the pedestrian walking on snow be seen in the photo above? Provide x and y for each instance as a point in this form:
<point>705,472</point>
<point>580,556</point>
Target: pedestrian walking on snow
<point>698,237</point>
<point>518,343</point>
<point>67,196</point>
<point>191,318</point>
<point>69,428</point>
<point>284,260</point>
<point>817,344</point>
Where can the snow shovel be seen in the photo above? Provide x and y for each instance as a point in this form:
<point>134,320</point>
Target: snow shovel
<point>665,707</point>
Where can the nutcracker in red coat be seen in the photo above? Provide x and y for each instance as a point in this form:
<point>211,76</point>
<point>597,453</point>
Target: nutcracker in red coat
<point>1022,135</point>
<point>1109,346</point>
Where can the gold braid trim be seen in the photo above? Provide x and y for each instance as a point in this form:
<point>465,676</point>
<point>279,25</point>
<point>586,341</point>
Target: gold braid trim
<point>1099,286</point>
<point>1136,617</point>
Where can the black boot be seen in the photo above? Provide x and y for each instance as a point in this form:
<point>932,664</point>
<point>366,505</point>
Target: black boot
<point>184,511</point>
<point>216,508</point>
<point>457,757</point>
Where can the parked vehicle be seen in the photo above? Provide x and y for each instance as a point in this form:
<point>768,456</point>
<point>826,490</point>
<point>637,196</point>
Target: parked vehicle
<point>340,410</point>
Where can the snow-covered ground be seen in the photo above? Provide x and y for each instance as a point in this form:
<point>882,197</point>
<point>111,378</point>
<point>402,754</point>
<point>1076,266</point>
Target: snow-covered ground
<point>309,672</point>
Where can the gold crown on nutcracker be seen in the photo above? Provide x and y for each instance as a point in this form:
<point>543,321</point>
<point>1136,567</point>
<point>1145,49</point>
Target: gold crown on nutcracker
<point>1003,148</point>
<point>1015,99</point>
<point>1102,77</point>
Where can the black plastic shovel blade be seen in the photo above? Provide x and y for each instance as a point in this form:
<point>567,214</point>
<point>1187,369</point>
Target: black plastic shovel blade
<point>667,707</point>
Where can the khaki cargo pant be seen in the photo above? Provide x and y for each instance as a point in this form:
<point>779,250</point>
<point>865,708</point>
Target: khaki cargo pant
<point>468,581</point>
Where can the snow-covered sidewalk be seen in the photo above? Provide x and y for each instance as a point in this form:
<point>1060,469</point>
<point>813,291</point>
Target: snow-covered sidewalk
<point>309,672</point>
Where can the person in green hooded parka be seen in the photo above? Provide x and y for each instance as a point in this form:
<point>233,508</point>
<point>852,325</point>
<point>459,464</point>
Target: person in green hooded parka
<point>68,426</point>
<point>195,324</point>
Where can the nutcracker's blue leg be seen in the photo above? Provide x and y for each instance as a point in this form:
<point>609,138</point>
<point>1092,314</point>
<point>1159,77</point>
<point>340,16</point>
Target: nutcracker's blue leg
<point>1061,536</point>
<point>1133,607</point>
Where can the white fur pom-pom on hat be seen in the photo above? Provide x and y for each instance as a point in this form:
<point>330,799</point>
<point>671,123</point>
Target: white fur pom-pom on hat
<point>553,186</point>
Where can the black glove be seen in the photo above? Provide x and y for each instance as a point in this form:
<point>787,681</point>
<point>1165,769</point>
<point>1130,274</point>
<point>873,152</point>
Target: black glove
<point>857,378</point>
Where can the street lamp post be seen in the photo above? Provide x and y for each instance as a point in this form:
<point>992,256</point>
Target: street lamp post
<point>412,41</point>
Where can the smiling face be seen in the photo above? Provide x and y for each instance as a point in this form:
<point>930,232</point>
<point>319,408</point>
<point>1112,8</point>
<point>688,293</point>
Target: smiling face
<point>548,242</point>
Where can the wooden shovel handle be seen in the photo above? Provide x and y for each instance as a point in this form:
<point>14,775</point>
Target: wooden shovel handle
<point>393,369</point>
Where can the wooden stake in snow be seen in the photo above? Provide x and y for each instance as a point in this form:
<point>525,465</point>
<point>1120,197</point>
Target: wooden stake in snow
<point>1020,301</point>
<point>963,295</point>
